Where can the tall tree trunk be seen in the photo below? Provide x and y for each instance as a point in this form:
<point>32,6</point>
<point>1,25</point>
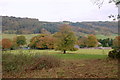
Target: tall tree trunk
<point>64,52</point>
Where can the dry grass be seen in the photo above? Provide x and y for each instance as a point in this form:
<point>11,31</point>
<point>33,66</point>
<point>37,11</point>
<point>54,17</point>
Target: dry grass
<point>87,68</point>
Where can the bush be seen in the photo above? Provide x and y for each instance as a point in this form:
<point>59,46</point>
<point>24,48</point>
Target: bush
<point>114,53</point>
<point>21,62</point>
<point>46,62</point>
<point>15,62</point>
<point>116,42</point>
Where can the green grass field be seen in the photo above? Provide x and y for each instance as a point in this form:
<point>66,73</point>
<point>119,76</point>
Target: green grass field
<point>79,54</point>
<point>104,37</point>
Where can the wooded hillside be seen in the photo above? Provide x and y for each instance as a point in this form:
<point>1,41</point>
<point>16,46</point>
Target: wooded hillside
<point>19,25</point>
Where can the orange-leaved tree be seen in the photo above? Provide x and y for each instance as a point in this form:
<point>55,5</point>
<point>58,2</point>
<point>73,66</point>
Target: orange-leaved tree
<point>82,42</point>
<point>6,44</point>
<point>42,41</point>
<point>46,42</point>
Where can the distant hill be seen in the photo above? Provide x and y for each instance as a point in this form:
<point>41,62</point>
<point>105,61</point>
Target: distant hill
<point>11,25</point>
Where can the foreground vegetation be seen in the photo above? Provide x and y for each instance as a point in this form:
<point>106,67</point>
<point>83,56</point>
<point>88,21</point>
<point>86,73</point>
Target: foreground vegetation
<point>53,64</point>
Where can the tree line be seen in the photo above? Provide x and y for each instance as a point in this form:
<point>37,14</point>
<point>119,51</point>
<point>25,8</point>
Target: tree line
<point>64,40</point>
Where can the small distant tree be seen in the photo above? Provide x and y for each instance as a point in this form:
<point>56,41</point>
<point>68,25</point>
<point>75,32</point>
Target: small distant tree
<point>33,42</point>
<point>92,41</point>
<point>6,44</point>
<point>66,39</point>
<point>14,44</point>
<point>20,40</point>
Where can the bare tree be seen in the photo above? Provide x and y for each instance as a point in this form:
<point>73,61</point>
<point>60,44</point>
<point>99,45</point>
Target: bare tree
<point>99,3</point>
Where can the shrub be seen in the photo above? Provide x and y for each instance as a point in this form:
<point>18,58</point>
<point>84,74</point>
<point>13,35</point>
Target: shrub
<point>15,63</point>
<point>21,62</point>
<point>114,53</point>
<point>116,42</point>
<point>45,61</point>
<point>116,46</point>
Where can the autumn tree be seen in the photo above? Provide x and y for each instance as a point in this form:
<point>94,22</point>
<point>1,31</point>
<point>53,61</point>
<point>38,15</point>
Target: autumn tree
<point>46,42</point>
<point>92,41</point>
<point>6,44</point>
<point>34,40</point>
<point>20,40</point>
<point>116,42</point>
<point>66,39</point>
<point>42,41</point>
<point>14,44</point>
<point>82,42</point>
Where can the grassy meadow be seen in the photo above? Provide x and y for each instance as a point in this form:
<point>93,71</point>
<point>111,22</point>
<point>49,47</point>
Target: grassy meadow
<point>79,54</point>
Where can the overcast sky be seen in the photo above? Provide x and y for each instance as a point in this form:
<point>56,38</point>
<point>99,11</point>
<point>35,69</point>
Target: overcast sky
<point>57,10</point>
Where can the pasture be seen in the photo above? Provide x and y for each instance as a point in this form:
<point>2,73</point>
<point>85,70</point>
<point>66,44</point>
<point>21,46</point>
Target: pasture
<point>79,54</point>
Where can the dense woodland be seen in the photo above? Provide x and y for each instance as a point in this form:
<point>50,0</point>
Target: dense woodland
<point>19,25</point>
